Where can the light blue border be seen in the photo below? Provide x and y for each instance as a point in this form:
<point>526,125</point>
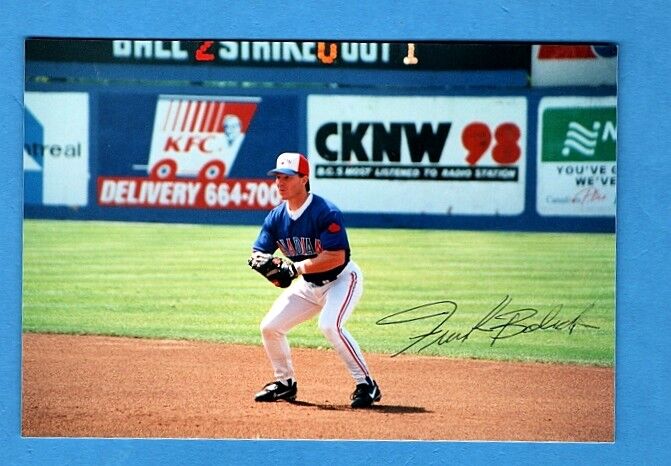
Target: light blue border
<point>644,208</point>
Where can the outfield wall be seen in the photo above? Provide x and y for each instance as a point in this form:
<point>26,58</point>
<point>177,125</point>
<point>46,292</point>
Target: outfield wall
<point>432,149</point>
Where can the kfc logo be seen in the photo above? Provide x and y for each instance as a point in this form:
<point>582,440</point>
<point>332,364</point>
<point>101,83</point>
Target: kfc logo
<point>194,134</point>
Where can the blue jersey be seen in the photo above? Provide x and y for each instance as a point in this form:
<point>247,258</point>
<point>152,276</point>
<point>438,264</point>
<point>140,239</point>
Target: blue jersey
<point>319,228</point>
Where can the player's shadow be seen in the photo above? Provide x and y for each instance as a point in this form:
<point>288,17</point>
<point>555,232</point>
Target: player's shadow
<point>391,409</point>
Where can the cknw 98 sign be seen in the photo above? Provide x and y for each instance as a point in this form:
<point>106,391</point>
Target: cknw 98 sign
<point>447,155</point>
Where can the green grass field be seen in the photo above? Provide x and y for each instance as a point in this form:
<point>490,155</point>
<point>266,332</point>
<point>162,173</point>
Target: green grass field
<point>193,282</point>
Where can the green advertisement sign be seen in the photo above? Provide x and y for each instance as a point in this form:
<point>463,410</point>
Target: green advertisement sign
<point>579,134</point>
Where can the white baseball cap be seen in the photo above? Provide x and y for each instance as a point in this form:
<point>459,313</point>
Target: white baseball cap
<point>291,163</point>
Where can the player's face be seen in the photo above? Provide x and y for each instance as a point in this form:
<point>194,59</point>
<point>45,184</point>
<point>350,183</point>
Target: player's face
<point>290,186</point>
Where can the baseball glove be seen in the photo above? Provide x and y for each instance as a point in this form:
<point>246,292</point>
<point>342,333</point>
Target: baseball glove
<point>280,272</point>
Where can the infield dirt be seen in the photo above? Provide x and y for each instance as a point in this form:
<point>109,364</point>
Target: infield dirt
<point>89,386</point>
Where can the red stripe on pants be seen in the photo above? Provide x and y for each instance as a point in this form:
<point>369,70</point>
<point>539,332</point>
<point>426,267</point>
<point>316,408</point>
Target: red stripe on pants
<point>341,313</point>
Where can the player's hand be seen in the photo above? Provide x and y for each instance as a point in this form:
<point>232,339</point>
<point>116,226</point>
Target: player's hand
<point>280,272</point>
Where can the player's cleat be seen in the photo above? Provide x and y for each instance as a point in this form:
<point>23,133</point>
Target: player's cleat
<point>365,394</point>
<point>275,391</point>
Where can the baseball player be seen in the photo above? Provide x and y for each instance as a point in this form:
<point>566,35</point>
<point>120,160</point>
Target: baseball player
<point>309,231</point>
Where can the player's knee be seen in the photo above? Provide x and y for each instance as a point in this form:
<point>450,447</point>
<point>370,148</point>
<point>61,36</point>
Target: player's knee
<point>329,329</point>
<point>269,329</point>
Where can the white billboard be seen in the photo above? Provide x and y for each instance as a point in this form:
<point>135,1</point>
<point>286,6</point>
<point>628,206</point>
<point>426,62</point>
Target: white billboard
<point>576,161</point>
<point>56,148</point>
<point>432,155</point>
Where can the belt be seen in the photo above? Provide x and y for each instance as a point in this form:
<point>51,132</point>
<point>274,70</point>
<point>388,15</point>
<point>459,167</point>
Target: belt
<point>326,277</point>
<point>322,281</point>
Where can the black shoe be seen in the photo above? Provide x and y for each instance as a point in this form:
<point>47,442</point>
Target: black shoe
<point>278,391</point>
<point>365,394</point>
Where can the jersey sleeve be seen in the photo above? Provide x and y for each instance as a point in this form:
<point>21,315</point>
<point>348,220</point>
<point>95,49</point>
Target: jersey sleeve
<point>266,241</point>
<point>333,236</point>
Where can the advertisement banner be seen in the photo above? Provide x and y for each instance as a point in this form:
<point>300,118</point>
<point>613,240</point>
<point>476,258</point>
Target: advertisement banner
<point>192,152</point>
<point>56,148</point>
<point>192,134</point>
<point>576,168</point>
<point>437,155</point>
<point>574,65</point>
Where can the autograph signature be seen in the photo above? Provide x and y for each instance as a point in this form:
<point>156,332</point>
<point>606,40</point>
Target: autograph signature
<point>501,323</point>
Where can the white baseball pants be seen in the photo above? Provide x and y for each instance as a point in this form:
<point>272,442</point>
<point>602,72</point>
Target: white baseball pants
<point>303,300</point>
